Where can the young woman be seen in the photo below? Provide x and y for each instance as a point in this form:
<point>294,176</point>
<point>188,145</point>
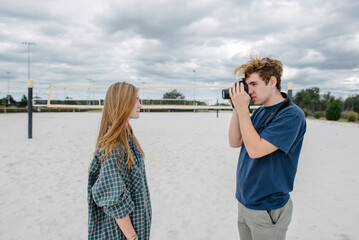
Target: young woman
<point>118,198</point>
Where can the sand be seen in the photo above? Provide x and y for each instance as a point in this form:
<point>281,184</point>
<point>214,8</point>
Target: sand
<point>191,172</point>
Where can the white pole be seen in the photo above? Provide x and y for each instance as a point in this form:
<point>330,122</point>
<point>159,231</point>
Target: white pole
<point>8,87</point>
<point>143,90</point>
<point>194,89</point>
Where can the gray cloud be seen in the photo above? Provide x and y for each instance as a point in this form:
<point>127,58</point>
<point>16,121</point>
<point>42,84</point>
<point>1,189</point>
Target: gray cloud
<point>161,42</point>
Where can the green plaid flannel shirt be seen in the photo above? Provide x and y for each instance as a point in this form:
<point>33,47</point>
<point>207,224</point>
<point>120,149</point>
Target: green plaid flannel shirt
<point>114,194</point>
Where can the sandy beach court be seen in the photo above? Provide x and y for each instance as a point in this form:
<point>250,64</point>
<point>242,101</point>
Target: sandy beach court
<point>191,173</point>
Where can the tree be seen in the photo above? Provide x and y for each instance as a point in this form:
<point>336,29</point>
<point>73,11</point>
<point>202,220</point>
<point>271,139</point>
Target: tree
<point>333,111</point>
<point>174,94</point>
<point>352,103</point>
<point>308,99</point>
<point>325,100</point>
<point>23,102</point>
<point>5,101</point>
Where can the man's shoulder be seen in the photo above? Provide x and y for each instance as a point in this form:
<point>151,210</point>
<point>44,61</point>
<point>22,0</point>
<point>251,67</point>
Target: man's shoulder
<point>293,115</point>
<point>294,110</point>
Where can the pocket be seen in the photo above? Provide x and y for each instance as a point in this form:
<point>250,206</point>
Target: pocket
<point>260,218</point>
<point>273,215</point>
<point>136,180</point>
<point>281,214</point>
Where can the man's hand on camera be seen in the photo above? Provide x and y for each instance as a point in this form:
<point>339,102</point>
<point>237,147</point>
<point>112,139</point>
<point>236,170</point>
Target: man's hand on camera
<point>239,97</point>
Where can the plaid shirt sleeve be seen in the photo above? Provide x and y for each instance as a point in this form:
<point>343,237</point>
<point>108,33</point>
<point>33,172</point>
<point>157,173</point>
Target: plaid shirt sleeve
<point>109,191</point>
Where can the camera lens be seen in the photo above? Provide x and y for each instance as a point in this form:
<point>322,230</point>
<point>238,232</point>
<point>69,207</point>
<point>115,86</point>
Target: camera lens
<point>225,92</point>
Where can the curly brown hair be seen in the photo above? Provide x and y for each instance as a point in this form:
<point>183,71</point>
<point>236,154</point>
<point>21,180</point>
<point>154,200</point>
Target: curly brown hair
<point>265,67</point>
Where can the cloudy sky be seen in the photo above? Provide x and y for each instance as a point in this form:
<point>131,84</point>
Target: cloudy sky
<point>160,42</point>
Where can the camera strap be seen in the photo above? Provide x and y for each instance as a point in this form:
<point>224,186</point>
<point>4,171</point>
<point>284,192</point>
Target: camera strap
<point>283,105</point>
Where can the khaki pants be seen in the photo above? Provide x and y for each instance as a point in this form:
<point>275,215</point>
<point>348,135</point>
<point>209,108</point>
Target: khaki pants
<point>263,224</point>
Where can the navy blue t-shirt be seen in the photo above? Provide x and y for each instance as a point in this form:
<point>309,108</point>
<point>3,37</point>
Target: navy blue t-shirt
<point>264,183</point>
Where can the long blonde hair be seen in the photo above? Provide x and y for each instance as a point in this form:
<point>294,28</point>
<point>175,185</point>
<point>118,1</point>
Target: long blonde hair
<point>115,128</point>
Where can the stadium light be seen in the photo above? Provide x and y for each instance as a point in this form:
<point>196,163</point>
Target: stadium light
<point>140,81</point>
<point>143,90</point>
<point>194,89</point>
<point>93,82</point>
<point>30,88</point>
<point>28,57</point>
<point>8,87</point>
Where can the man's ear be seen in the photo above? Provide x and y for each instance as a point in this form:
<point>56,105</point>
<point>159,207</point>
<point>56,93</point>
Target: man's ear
<point>273,81</point>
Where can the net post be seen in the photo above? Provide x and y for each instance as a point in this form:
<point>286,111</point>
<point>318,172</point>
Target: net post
<point>29,107</point>
<point>290,90</point>
<point>49,96</point>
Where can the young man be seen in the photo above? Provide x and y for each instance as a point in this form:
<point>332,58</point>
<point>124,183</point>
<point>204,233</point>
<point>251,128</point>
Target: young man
<point>269,152</point>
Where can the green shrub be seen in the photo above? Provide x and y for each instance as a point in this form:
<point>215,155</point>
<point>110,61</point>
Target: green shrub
<point>352,116</point>
<point>317,115</point>
<point>333,111</point>
<point>305,113</point>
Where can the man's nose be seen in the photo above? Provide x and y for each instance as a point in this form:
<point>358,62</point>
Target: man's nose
<point>250,89</point>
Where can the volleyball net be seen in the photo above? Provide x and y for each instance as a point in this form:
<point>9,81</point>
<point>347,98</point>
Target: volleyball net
<point>151,97</point>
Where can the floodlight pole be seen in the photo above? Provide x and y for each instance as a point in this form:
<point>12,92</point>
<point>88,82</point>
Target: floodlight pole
<point>93,94</point>
<point>143,90</point>
<point>139,90</point>
<point>8,87</point>
<point>140,81</point>
<point>30,88</point>
<point>194,89</point>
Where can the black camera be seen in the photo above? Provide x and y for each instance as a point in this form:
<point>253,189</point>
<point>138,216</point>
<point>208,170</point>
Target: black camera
<point>225,92</point>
